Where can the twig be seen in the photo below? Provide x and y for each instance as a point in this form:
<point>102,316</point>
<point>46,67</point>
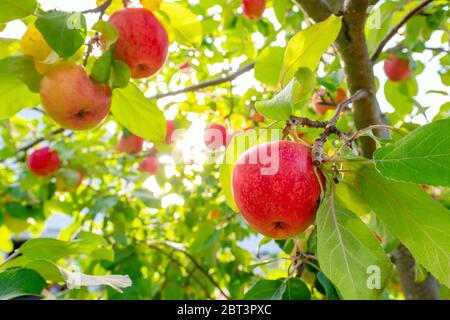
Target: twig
<point>100,9</point>
<point>39,140</point>
<point>396,28</point>
<point>90,46</point>
<point>360,94</point>
<point>318,157</point>
<point>359,133</point>
<point>198,266</point>
<point>209,83</point>
<point>172,259</point>
<point>443,50</point>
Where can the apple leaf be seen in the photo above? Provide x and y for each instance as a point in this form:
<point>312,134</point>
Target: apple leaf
<point>8,47</point>
<point>280,107</point>
<point>423,156</point>
<point>280,289</point>
<point>412,216</point>
<point>47,269</point>
<point>24,69</point>
<point>399,95</point>
<point>20,282</point>
<point>46,248</point>
<point>65,32</point>
<point>296,289</point>
<point>15,95</point>
<point>306,82</point>
<point>280,7</point>
<point>347,249</point>
<point>16,9</point>
<point>307,46</point>
<point>266,290</point>
<point>108,31</point>
<point>138,114</point>
<point>268,65</point>
<point>329,289</point>
<point>101,70</point>
<point>120,74</point>
<point>184,24</point>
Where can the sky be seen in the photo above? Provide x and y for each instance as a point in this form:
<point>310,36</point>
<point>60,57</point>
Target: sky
<point>428,80</point>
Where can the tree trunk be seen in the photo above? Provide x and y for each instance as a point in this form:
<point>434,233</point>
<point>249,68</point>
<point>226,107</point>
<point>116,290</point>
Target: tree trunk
<point>352,47</point>
<point>406,268</point>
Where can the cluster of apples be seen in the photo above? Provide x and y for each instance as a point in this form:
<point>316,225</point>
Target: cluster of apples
<point>132,144</point>
<point>45,162</point>
<point>70,96</point>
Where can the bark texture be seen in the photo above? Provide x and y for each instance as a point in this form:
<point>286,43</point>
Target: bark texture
<point>406,268</point>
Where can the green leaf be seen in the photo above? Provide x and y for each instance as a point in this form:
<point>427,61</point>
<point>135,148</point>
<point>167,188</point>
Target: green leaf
<point>65,32</point>
<point>399,95</point>
<point>329,289</point>
<point>9,47</point>
<point>268,65</point>
<point>185,24</point>
<point>101,70</point>
<point>25,70</point>
<point>423,156</point>
<point>296,289</point>
<point>307,46</point>
<point>280,7</point>
<point>306,82</point>
<point>280,107</point>
<point>120,74</point>
<point>108,31</point>
<point>266,290</point>
<point>138,114</point>
<point>46,248</point>
<point>20,282</point>
<point>14,94</point>
<point>347,249</point>
<point>413,217</point>
<point>16,9</point>
<point>47,269</point>
<point>104,203</point>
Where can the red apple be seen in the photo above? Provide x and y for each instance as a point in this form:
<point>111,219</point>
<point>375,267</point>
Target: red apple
<point>130,143</point>
<point>43,162</point>
<point>253,9</point>
<point>149,165</point>
<point>216,136</point>
<point>170,125</point>
<point>397,69</point>
<point>276,189</point>
<point>73,99</point>
<point>68,179</point>
<point>143,42</point>
<point>322,103</point>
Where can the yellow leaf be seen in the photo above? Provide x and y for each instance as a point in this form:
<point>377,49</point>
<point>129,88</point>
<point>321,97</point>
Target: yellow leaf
<point>307,46</point>
<point>152,5</point>
<point>34,45</point>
